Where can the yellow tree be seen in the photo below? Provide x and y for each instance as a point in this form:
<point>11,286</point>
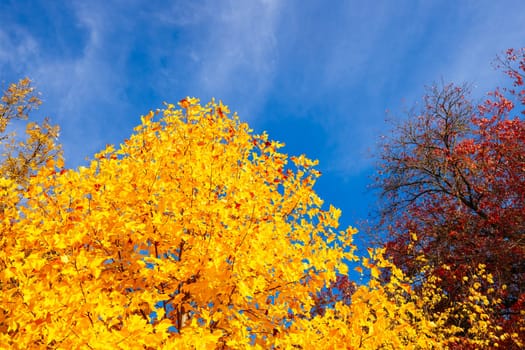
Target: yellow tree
<point>194,233</point>
<point>20,158</point>
<point>381,315</point>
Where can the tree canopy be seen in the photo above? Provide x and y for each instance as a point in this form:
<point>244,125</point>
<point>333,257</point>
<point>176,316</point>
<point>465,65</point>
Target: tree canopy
<point>452,177</point>
<point>194,233</point>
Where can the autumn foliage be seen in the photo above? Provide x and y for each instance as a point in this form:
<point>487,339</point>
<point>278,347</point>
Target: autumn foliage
<point>197,233</point>
<point>453,180</point>
<point>194,233</point>
<point>20,158</point>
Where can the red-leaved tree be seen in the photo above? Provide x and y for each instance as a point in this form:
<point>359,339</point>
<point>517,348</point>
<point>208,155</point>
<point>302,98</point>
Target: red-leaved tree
<point>452,180</point>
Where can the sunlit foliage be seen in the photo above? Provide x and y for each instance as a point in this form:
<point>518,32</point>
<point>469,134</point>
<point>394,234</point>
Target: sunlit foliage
<point>20,158</point>
<point>194,233</point>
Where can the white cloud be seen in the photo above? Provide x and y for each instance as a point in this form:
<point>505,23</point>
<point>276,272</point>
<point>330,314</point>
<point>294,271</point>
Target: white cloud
<point>182,13</point>
<point>78,91</point>
<point>460,49</point>
<point>492,29</point>
<point>17,49</point>
<point>238,53</point>
<point>233,59</point>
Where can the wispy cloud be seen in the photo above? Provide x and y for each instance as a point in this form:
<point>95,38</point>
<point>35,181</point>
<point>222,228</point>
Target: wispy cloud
<point>385,64</point>
<point>85,91</point>
<point>17,48</point>
<point>237,53</point>
<point>489,31</point>
<point>132,53</point>
<point>339,66</point>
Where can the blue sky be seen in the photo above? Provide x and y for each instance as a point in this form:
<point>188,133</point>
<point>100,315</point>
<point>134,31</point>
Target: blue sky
<point>317,75</point>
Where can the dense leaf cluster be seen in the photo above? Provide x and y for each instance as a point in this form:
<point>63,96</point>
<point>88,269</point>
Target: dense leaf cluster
<point>194,233</point>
